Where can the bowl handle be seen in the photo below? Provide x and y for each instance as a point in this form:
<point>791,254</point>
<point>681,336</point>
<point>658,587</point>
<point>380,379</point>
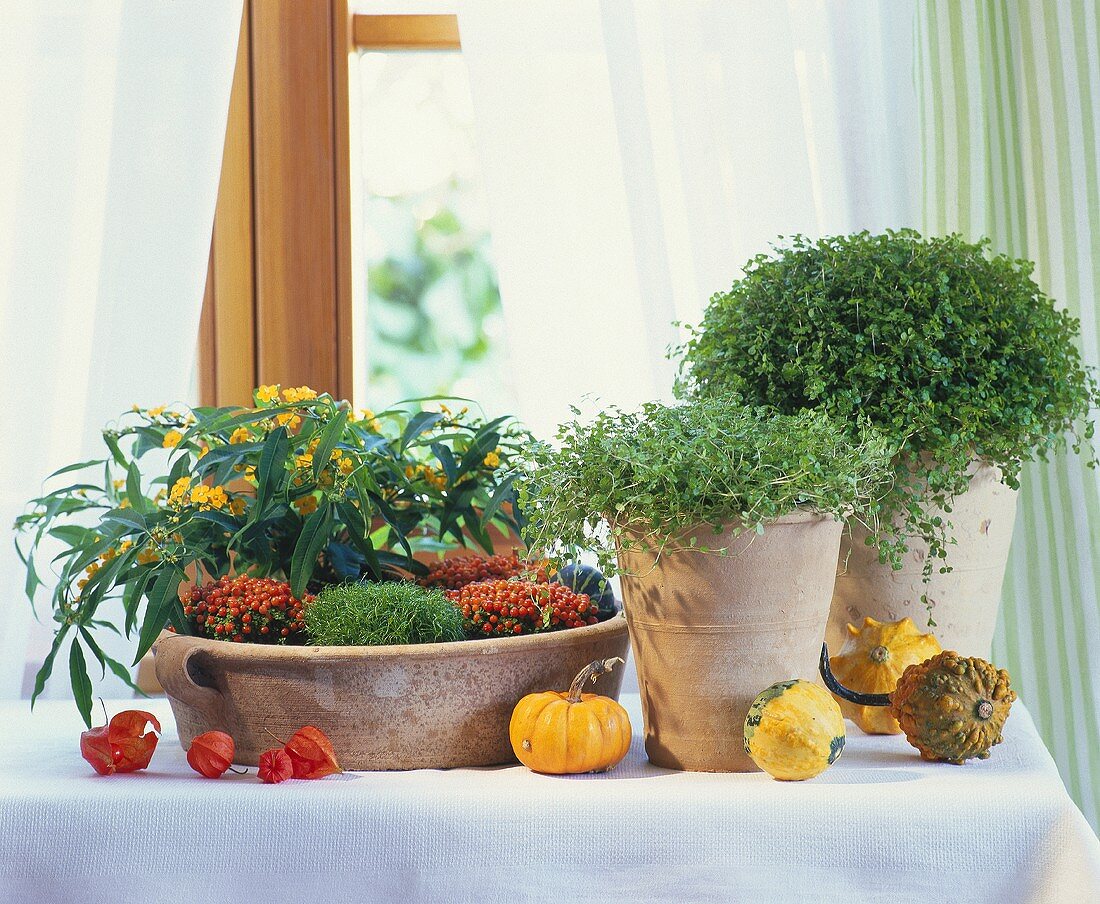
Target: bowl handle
<point>172,658</point>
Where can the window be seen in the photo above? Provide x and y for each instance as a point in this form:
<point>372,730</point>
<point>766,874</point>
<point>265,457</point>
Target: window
<point>430,321</point>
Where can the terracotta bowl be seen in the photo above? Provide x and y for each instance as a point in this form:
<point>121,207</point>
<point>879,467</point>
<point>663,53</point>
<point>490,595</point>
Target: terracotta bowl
<point>421,706</point>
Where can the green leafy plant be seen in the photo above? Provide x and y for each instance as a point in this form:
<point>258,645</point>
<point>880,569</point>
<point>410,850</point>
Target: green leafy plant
<point>665,470</point>
<point>393,612</point>
<point>298,487</point>
<point>953,353</point>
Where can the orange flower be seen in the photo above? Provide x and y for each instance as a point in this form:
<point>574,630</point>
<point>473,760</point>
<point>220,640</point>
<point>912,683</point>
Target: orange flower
<point>306,505</point>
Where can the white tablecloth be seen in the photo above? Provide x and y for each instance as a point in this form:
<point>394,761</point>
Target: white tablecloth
<point>880,825</point>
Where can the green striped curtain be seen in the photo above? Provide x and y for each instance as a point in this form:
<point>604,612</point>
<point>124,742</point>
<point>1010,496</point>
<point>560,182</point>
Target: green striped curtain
<point>1009,99</point>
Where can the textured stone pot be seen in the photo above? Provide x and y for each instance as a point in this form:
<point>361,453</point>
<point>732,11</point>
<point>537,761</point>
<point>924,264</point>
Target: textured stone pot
<point>710,632</point>
<point>965,601</point>
<point>404,707</point>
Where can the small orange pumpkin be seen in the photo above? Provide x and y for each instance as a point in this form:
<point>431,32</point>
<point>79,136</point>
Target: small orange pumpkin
<point>566,733</point>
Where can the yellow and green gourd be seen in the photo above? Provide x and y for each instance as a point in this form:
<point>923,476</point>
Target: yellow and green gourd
<point>794,730</point>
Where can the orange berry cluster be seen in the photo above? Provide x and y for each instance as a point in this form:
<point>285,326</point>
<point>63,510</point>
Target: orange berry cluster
<point>502,608</point>
<point>456,573</point>
<point>244,609</point>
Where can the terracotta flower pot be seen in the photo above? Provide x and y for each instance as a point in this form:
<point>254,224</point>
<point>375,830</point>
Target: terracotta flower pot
<point>965,601</point>
<point>710,632</point>
<point>421,706</point>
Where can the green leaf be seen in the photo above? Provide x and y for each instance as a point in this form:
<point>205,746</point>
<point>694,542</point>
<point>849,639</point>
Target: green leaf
<point>330,436</point>
<point>163,597</point>
<point>482,445</point>
<point>128,517</point>
<point>114,665</point>
<point>47,665</point>
<point>131,597</point>
<point>312,539</point>
<point>72,534</point>
<point>138,502</point>
<point>116,452</point>
<point>96,651</point>
<point>359,534</point>
<point>478,533</point>
<point>79,466</point>
<point>418,423</point>
<point>271,471</point>
<point>82,684</point>
<point>501,495</point>
<point>447,460</point>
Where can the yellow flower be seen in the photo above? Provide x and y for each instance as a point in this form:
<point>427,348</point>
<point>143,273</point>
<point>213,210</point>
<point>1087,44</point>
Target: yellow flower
<point>92,569</point>
<point>202,451</point>
<point>267,394</point>
<point>119,484</point>
<point>172,439</point>
<point>492,459</point>
<point>217,498</point>
<point>240,435</point>
<point>346,466</point>
<point>250,472</point>
<point>125,545</point>
<point>124,504</point>
<point>369,419</point>
<point>305,460</point>
<point>109,554</point>
<point>147,556</point>
<point>179,491</point>
<point>237,506</point>
<point>410,472</point>
<point>301,394</point>
<point>306,505</point>
<point>288,419</point>
<point>200,494</point>
<point>156,412</point>
<point>444,408</point>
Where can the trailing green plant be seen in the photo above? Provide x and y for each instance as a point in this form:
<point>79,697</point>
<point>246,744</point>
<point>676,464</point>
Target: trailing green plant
<point>393,612</point>
<point>628,480</point>
<point>298,487</point>
<point>952,352</point>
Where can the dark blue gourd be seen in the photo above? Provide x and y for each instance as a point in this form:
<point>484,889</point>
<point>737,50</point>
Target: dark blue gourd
<point>586,579</point>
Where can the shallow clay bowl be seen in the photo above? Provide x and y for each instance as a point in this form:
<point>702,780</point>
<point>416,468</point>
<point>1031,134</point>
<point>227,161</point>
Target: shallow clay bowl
<point>421,706</point>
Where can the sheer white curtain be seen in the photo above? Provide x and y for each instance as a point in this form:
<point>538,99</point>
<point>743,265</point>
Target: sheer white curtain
<point>114,118</point>
<point>637,153</point>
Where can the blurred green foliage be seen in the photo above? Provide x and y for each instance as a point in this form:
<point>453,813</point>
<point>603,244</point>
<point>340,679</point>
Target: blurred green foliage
<point>433,310</point>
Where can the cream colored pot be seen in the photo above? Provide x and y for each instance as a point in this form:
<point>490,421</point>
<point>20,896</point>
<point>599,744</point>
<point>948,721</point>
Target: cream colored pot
<point>421,706</point>
<point>965,601</point>
<point>710,632</point>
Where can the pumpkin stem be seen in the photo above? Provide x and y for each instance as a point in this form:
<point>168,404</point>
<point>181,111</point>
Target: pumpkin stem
<point>593,670</point>
<point>846,693</point>
<point>984,710</point>
<point>879,654</point>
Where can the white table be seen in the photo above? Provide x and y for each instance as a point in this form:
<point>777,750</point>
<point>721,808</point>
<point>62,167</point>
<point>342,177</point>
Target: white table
<point>880,825</point>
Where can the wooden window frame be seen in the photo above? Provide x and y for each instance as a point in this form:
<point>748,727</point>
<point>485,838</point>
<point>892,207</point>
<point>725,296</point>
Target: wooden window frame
<point>278,300</point>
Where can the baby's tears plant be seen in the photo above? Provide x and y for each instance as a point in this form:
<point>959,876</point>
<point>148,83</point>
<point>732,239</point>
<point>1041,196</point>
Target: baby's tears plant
<point>952,352</point>
<point>632,479</point>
